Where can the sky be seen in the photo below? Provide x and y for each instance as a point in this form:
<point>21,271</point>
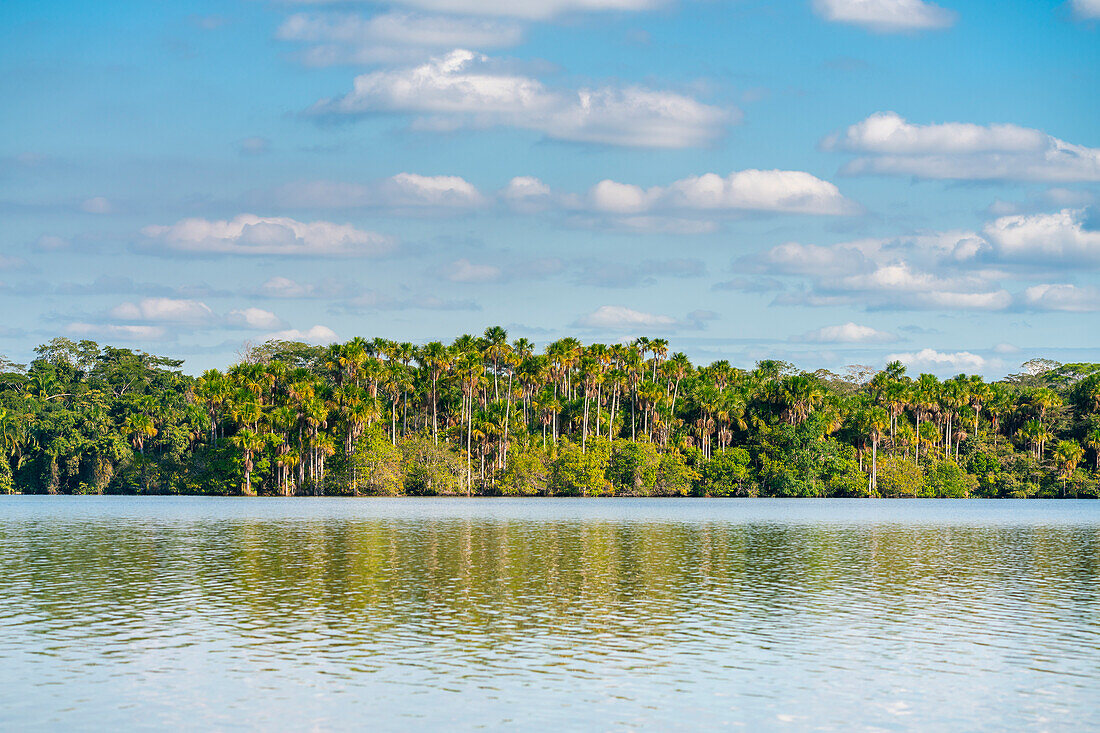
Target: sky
<point>829,182</point>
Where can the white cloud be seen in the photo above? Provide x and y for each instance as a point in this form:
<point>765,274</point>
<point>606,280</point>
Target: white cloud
<point>645,224</point>
<point>617,317</point>
<point>1044,238</point>
<point>884,273</point>
<point>433,190</point>
<point>463,89</point>
<point>886,16</point>
<point>1086,9</point>
<point>528,9</point>
<point>619,198</point>
<point>847,333</point>
<point>1006,348</point>
<point>254,318</point>
<point>404,191</point>
<point>321,335</point>
<point>284,287</point>
<point>955,150</point>
<point>393,37</point>
<point>464,271</point>
<point>167,310</point>
<point>959,361</point>
<point>122,333</point>
<point>248,234</point>
<point>794,192</point>
<point>97,205</point>
<point>1063,297</point>
<point>526,194</point>
<point>760,190</point>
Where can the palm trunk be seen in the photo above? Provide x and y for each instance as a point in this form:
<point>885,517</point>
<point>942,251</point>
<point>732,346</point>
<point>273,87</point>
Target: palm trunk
<point>584,424</point>
<point>507,420</point>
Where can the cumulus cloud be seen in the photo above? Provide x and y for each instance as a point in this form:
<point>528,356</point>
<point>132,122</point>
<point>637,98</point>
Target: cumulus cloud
<point>167,310</point>
<point>619,318</point>
<point>392,37</point>
<point>847,333</point>
<point>930,271</point>
<point>685,205</point>
<point>527,194</point>
<point>1063,237</point>
<point>890,145</point>
<point>940,361</point>
<point>529,9</point>
<point>463,89</point>
<point>1062,297</point>
<point>256,318</point>
<point>321,335</point>
<point>117,332</point>
<point>404,192</point>
<point>886,16</point>
<point>248,234</point>
<point>284,287</point>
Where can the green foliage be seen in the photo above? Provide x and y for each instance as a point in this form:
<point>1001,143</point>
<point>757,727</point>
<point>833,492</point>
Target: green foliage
<point>376,465</point>
<point>674,476</point>
<point>7,484</point>
<point>527,473</point>
<point>633,467</point>
<point>946,480</point>
<point>899,476</point>
<point>430,469</point>
<point>581,473</point>
<point>483,415</point>
<point>726,474</point>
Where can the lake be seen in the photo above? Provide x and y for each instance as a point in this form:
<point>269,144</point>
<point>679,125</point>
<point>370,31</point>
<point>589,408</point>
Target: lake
<point>596,614</point>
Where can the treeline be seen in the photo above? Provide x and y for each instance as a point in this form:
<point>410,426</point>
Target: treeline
<point>485,415</point>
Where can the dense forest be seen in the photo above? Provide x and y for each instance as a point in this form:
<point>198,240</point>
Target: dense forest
<point>487,416</point>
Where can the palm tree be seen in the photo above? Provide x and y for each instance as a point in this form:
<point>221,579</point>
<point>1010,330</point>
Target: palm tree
<point>997,403</point>
<point>248,442</point>
<point>678,368</point>
<point>496,347</point>
<point>878,422</point>
<point>1044,400</point>
<point>924,404</point>
<point>659,347</point>
<point>1092,440</point>
<point>1067,455</point>
<point>436,358</point>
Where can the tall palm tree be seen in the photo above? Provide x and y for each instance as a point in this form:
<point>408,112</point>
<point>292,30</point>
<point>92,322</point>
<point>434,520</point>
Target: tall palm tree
<point>496,347</point>
<point>436,358</point>
<point>1067,455</point>
<point>248,442</point>
<point>1092,440</point>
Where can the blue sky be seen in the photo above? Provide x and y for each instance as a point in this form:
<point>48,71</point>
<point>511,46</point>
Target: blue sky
<point>826,181</point>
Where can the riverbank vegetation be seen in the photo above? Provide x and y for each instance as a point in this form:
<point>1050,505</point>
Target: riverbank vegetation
<point>485,415</point>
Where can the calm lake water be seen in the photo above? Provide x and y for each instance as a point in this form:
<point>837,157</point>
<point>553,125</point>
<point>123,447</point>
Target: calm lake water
<point>390,614</point>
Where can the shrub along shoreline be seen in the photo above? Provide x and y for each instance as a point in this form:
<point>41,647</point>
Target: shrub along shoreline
<point>489,416</point>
